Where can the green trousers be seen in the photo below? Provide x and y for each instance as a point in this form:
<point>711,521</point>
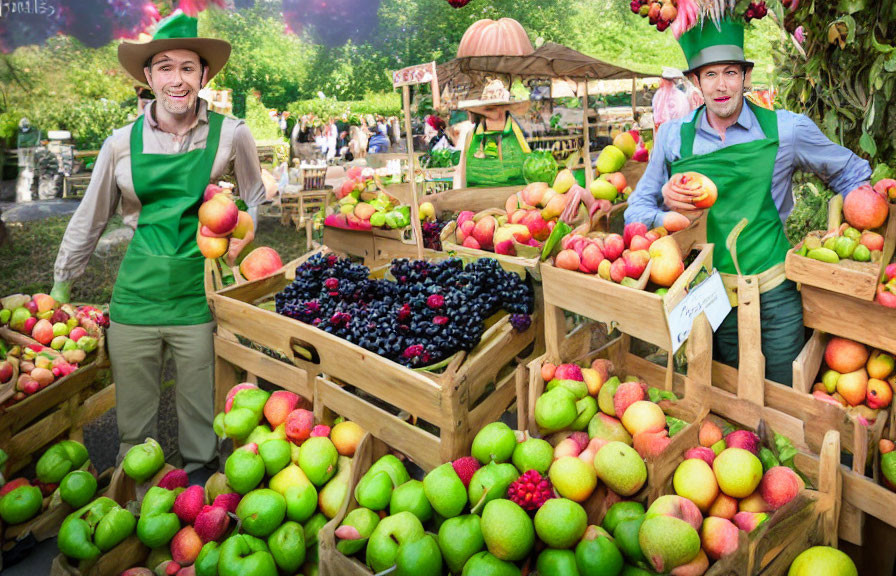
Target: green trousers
<point>136,353</point>
<point>783,333</point>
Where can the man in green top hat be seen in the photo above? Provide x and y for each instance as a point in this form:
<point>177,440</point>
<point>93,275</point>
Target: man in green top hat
<point>750,153</point>
<point>156,170</point>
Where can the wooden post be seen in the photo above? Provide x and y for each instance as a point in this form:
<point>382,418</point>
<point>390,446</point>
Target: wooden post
<point>586,153</point>
<point>415,210</point>
<point>634,99</point>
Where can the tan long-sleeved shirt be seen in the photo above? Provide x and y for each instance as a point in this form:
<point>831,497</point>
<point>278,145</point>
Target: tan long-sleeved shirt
<point>112,184</point>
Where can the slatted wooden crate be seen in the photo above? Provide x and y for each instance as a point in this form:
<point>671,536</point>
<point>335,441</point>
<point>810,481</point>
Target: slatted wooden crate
<point>856,279</point>
<point>442,398</point>
<point>638,313</point>
<point>694,394</point>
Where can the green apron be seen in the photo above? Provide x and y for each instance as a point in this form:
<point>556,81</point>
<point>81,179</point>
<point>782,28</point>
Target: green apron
<point>500,157</point>
<point>743,175</point>
<point>160,281</point>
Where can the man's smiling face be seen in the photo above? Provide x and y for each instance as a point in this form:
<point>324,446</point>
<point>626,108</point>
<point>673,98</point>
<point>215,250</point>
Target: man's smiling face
<point>723,88</point>
<point>176,77</point>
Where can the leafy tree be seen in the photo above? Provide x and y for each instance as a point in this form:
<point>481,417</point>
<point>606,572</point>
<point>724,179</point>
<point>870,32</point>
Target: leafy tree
<point>844,74</point>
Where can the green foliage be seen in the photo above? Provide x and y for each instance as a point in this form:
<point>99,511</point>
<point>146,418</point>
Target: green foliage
<point>259,122</point>
<point>9,126</point>
<point>844,76</point>
<point>810,210</point>
<point>264,57</point>
<point>388,104</point>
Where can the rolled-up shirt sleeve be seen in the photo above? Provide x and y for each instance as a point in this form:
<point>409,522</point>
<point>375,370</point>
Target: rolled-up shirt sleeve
<point>246,166</point>
<point>839,167</point>
<point>90,219</point>
<point>645,203</point>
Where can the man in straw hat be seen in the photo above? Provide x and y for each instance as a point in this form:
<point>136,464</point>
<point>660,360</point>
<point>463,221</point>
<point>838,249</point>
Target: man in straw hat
<point>750,153</point>
<point>157,169</point>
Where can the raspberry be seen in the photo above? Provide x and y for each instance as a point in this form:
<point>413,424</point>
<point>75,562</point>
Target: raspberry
<point>465,467</point>
<point>440,320</point>
<point>332,284</point>
<point>435,301</point>
<point>413,350</point>
<point>404,313</point>
<point>531,490</point>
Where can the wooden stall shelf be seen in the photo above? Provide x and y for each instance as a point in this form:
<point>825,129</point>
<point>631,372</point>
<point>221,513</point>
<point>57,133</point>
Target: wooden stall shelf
<point>693,389</point>
<point>856,279</point>
<point>638,313</point>
<point>838,314</point>
<point>445,399</point>
<point>808,520</point>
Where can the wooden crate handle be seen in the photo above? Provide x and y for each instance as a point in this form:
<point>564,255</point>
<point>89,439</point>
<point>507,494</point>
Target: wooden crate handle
<point>751,362</point>
<point>830,485</point>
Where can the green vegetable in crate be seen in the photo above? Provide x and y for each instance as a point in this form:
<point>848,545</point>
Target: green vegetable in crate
<point>157,524</point>
<point>144,460</point>
<point>540,166</point>
<point>94,529</point>
<point>59,460</point>
<point>21,504</point>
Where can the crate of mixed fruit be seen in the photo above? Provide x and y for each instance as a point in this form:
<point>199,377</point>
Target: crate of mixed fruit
<point>632,280</point>
<point>849,257</point>
<point>428,337</point>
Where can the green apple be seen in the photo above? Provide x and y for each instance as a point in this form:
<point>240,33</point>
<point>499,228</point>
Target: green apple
<point>388,536</point>
<point>490,482</point>
<point>244,470</point>
<point>445,491</point>
<point>419,558</point>
<point>411,497</point>
<point>275,454</point>
<point>364,520</point>
<point>261,512</point>
<point>603,190</point>
<point>301,502</point>
<point>459,539</point>
<point>287,545</point>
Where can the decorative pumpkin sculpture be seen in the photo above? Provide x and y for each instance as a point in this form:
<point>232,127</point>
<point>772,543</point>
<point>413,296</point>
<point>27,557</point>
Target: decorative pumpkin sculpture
<point>504,37</point>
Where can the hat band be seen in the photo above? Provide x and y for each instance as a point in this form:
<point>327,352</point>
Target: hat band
<point>717,54</point>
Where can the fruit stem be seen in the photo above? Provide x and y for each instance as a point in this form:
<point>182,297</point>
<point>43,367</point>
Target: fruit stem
<point>387,571</point>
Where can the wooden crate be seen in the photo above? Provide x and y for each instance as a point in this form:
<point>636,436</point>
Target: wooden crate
<point>461,416</point>
<point>865,439</point>
<point>640,314</point>
<point>856,279</point>
<point>61,409</point>
<point>443,399</point>
<point>692,407</point>
<point>808,520</point>
<point>131,552</point>
<point>845,316</point>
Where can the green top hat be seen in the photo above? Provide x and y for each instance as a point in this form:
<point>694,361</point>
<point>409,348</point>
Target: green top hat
<point>178,31</point>
<point>708,43</point>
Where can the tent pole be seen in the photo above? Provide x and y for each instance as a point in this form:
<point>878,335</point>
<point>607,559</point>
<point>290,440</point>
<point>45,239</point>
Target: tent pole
<point>589,170</point>
<point>412,176</point>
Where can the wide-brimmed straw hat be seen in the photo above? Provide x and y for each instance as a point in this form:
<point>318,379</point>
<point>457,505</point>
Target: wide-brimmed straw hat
<point>177,32</point>
<point>495,93</point>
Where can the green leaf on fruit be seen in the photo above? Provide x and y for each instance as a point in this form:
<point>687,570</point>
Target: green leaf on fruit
<point>675,425</point>
<point>656,395</point>
<point>727,428</point>
<point>785,448</point>
<point>242,206</point>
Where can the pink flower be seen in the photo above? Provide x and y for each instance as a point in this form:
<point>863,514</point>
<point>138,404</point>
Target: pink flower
<point>799,35</point>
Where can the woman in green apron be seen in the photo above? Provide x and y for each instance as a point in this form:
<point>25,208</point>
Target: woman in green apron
<point>158,169</point>
<point>495,149</point>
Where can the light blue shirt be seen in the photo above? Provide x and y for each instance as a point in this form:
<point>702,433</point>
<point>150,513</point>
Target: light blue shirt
<point>802,146</point>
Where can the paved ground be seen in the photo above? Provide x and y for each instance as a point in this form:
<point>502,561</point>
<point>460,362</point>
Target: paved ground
<point>37,210</point>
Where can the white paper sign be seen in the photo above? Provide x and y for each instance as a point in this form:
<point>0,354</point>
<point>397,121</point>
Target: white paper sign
<point>709,297</point>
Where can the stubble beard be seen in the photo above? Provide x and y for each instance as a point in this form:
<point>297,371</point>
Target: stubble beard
<point>178,107</point>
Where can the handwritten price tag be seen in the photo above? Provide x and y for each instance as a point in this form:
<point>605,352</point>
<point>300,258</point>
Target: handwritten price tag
<point>709,296</point>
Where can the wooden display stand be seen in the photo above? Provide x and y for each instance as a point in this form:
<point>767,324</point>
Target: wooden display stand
<point>640,314</point>
<point>848,317</point>
<point>692,407</point>
<point>444,399</point>
<point>856,279</point>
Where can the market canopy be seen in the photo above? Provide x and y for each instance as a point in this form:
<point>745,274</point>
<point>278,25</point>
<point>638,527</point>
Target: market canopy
<point>551,60</point>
